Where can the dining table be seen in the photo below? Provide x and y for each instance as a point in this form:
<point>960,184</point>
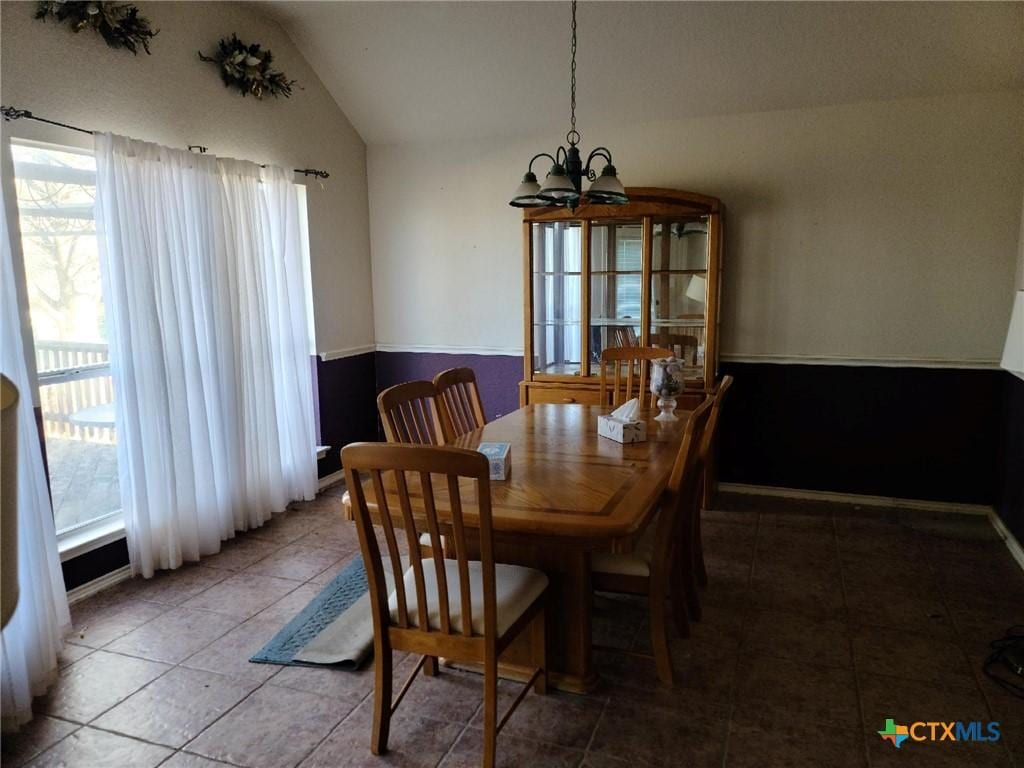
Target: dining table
<point>570,492</point>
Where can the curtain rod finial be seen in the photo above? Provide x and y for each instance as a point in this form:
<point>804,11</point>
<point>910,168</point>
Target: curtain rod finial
<point>13,113</point>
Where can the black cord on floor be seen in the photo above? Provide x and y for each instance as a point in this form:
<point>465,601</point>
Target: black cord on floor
<point>1008,651</point>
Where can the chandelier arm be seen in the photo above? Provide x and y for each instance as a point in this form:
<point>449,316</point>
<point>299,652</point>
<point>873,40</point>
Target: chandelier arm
<point>598,152</point>
<point>540,154</point>
<point>560,152</point>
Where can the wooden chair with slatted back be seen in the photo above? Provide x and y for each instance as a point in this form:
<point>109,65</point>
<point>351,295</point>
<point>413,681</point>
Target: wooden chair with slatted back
<point>462,410</point>
<point>708,452</point>
<point>410,414</point>
<point>624,336</point>
<point>465,610</point>
<point>631,367</point>
<point>661,564</point>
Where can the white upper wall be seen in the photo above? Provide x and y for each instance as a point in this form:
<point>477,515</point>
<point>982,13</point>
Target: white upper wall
<point>881,230</point>
<point>413,72</point>
<point>175,99</point>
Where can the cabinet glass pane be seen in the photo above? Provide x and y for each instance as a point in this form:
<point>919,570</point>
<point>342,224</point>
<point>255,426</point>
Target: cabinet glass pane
<point>616,247</point>
<point>678,296</point>
<point>616,264</point>
<point>686,247</point>
<point>679,260</point>
<point>687,343</point>
<point>615,311</point>
<point>556,247</point>
<point>557,293</point>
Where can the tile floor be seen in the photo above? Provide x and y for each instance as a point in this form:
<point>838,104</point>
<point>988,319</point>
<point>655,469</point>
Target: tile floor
<point>820,622</point>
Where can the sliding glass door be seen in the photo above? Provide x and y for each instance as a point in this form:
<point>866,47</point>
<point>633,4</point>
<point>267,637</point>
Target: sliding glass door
<point>56,192</point>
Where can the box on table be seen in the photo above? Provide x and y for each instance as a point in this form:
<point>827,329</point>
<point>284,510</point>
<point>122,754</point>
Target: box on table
<point>622,431</point>
<point>499,457</point>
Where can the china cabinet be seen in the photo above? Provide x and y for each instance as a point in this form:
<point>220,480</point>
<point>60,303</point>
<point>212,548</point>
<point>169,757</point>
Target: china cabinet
<point>647,273</point>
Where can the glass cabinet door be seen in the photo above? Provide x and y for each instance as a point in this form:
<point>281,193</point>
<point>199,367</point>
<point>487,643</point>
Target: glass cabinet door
<point>557,293</point>
<point>679,271</point>
<point>616,278</point>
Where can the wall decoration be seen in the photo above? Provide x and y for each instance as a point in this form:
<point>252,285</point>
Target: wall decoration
<point>247,68</point>
<point>118,23</point>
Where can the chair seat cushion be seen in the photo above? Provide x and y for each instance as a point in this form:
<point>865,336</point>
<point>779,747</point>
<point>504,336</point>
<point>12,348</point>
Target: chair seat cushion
<point>516,589</point>
<point>635,563</point>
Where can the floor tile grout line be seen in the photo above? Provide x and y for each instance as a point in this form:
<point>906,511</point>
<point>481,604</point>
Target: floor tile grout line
<point>31,758</point>
<point>597,724</point>
<point>734,684</point>
<point>849,641</point>
<point>327,735</point>
<point>455,741</point>
<point>171,666</point>
<point>221,716</point>
<point>171,606</point>
<point>970,664</point>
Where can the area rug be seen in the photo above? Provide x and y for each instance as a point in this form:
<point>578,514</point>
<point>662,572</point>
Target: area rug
<point>335,629</point>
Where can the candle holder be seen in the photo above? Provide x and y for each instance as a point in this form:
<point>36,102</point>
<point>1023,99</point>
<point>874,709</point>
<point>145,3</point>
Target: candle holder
<point>666,383</point>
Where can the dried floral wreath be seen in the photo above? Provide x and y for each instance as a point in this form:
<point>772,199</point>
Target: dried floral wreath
<point>118,23</point>
<point>247,68</point>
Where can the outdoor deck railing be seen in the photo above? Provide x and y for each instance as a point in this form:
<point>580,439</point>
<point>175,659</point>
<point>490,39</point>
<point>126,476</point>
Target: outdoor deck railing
<point>73,376</point>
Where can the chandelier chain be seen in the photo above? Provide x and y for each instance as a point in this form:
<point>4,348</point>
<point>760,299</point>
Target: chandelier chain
<point>573,136</point>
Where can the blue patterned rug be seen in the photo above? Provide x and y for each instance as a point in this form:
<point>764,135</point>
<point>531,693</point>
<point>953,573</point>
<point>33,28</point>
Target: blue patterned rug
<point>346,588</point>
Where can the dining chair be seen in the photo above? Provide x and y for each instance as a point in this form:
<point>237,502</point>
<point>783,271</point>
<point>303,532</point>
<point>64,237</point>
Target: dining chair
<point>462,410</point>
<point>410,414</point>
<point>708,454</point>
<point>661,564</point>
<point>624,336</point>
<point>635,363</point>
<point>464,610</point>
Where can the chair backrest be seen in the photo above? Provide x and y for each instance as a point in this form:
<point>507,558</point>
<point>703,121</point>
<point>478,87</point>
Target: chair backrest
<point>421,463</point>
<point>462,410</point>
<point>711,430</point>
<point>624,336</point>
<point>410,415</point>
<point>683,488</point>
<point>634,362</point>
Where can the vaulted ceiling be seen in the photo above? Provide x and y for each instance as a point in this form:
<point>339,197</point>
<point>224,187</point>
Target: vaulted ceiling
<point>407,72</point>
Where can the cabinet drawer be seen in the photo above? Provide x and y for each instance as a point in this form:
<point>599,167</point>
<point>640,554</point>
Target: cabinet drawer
<point>555,395</point>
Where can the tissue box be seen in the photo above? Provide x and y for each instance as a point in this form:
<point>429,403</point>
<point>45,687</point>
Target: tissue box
<point>499,456</point>
<point>621,431</point>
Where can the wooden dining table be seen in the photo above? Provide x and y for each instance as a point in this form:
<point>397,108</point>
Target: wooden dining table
<point>571,492</point>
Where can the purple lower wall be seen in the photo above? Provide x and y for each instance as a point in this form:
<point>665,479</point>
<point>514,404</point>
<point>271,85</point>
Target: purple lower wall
<point>347,405</point>
<point>497,376</point>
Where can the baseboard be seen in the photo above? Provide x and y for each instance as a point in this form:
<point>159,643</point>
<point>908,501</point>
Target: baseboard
<point>1016,550</point>
<point>98,585</point>
<point>331,479</point>
<point>920,505</point>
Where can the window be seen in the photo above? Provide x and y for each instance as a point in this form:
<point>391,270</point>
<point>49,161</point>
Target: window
<point>56,190</point>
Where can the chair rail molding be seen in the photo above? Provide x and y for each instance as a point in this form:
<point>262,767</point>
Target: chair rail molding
<point>338,354</point>
<point>439,349</point>
<point>882,362</point>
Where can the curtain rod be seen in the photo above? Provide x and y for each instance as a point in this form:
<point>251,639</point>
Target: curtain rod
<point>13,113</point>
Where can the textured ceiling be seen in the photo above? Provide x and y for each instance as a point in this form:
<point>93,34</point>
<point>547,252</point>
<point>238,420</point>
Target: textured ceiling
<point>427,71</point>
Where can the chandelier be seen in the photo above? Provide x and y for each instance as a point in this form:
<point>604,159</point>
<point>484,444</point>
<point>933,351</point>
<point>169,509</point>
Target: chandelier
<point>563,186</point>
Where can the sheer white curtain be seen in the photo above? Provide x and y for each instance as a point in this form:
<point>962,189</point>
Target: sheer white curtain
<point>209,351</point>
<point>34,636</point>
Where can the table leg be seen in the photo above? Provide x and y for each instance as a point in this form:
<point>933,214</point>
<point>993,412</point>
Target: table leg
<point>567,620</point>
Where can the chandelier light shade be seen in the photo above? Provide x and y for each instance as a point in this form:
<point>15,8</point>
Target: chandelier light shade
<point>607,188</point>
<point>526,192</point>
<point>558,188</point>
<point>563,186</point>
